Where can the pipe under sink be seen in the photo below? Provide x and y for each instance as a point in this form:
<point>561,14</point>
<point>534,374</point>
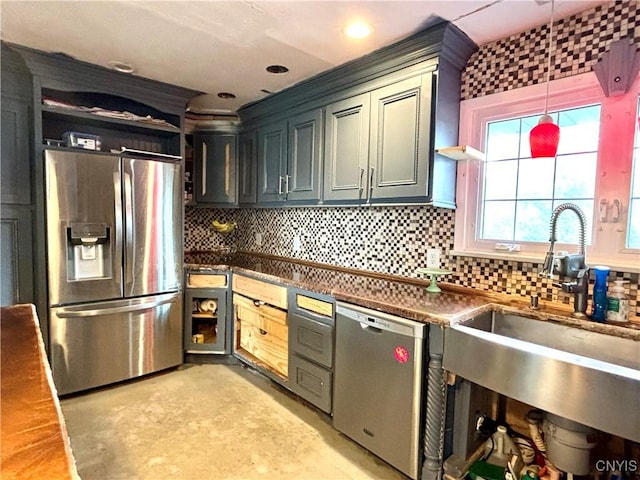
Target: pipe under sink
<point>586,376</point>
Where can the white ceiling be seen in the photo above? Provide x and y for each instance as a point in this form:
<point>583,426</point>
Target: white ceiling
<point>224,46</point>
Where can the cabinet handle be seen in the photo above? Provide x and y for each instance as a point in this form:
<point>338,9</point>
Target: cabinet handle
<point>360,187</point>
<point>258,303</point>
<point>371,182</point>
<point>204,168</point>
<point>262,332</point>
<point>286,184</point>
<point>280,185</point>
<point>227,167</point>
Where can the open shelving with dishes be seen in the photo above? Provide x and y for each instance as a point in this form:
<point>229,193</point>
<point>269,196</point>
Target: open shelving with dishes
<point>204,325</point>
<point>124,110</point>
<point>205,313</point>
<point>119,122</point>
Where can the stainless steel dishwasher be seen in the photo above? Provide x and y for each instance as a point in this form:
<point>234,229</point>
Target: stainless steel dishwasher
<point>378,384</point>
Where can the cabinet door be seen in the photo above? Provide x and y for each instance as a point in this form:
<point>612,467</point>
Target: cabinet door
<point>14,161</point>
<point>205,320</point>
<point>302,181</point>
<point>400,143</point>
<point>248,167</point>
<point>16,251</point>
<point>311,339</point>
<point>346,149</point>
<point>272,162</point>
<point>311,382</point>
<point>215,169</point>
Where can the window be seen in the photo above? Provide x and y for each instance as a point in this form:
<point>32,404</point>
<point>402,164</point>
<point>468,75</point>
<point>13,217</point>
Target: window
<point>633,229</point>
<point>520,192</point>
<point>505,202</point>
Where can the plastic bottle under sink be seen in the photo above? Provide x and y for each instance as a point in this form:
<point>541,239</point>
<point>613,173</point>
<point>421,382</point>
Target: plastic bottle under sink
<point>500,448</point>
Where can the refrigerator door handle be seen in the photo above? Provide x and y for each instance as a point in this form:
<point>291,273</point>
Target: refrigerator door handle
<point>93,310</point>
<point>129,222</point>
<point>117,259</point>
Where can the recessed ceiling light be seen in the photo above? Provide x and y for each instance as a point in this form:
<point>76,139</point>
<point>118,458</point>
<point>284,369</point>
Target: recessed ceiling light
<point>122,67</point>
<point>358,30</point>
<point>226,95</point>
<point>278,69</point>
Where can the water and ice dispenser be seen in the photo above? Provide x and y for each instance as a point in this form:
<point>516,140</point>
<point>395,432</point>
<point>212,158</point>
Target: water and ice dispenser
<point>88,251</point>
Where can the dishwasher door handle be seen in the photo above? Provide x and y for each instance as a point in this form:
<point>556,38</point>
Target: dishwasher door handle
<point>370,328</point>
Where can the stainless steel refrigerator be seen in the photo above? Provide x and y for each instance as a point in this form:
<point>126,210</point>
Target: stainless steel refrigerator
<point>114,254</point>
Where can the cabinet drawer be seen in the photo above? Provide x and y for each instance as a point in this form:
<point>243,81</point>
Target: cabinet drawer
<point>262,332</point>
<point>259,290</point>
<point>265,347</point>
<point>202,280</point>
<point>311,382</point>
<point>314,305</point>
<point>311,339</point>
<point>261,316</point>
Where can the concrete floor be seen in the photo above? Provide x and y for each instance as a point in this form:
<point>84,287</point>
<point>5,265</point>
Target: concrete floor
<point>209,422</point>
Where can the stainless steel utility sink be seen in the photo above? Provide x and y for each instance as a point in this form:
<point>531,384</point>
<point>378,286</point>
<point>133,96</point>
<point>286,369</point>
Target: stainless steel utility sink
<point>589,377</point>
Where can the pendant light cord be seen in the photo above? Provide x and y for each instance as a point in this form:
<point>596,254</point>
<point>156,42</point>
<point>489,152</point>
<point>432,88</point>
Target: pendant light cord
<point>546,97</point>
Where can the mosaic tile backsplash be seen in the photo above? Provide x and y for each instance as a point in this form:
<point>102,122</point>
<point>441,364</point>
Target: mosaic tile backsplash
<point>381,239</point>
<point>578,41</point>
<point>395,239</point>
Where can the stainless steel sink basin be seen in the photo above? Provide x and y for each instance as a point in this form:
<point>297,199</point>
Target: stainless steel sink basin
<point>589,377</point>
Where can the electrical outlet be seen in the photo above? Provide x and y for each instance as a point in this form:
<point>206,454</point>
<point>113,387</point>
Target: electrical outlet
<point>433,258</point>
<point>258,239</point>
<point>297,243</point>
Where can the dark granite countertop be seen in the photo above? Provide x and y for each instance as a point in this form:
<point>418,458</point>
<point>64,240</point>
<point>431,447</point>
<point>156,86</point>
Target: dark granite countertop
<point>405,297</point>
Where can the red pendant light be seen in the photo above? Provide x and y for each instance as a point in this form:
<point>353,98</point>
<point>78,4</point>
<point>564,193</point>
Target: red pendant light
<point>545,137</point>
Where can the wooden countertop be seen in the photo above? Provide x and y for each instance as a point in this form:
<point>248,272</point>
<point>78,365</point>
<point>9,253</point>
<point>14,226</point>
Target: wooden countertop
<point>34,438</point>
<point>402,296</point>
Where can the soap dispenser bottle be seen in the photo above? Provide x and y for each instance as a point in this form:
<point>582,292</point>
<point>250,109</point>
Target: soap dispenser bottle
<point>617,304</point>
<point>599,312</point>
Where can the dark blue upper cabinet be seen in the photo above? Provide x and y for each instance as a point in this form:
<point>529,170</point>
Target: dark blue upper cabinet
<point>346,149</point>
<point>385,115</point>
<point>215,169</point>
<point>247,167</point>
<point>272,162</point>
<point>302,181</point>
<point>400,140</point>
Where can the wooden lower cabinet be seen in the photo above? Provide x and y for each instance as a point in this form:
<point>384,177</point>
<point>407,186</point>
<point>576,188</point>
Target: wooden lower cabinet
<point>261,335</point>
<point>287,334</point>
<point>258,290</point>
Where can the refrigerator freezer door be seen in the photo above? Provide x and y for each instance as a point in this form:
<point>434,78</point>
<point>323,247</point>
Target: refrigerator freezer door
<point>102,343</point>
<point>84,226</point>
<point>153,226</point>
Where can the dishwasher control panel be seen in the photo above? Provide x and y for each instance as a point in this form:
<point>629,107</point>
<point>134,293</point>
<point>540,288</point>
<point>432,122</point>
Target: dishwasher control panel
<point>381,320</point>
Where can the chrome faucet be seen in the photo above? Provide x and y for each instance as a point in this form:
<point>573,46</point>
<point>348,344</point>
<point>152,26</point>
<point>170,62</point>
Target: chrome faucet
<point>572,266</point>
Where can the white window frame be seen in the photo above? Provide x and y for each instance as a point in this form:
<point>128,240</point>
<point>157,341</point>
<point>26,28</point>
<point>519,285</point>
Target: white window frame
<point>613,171</point>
